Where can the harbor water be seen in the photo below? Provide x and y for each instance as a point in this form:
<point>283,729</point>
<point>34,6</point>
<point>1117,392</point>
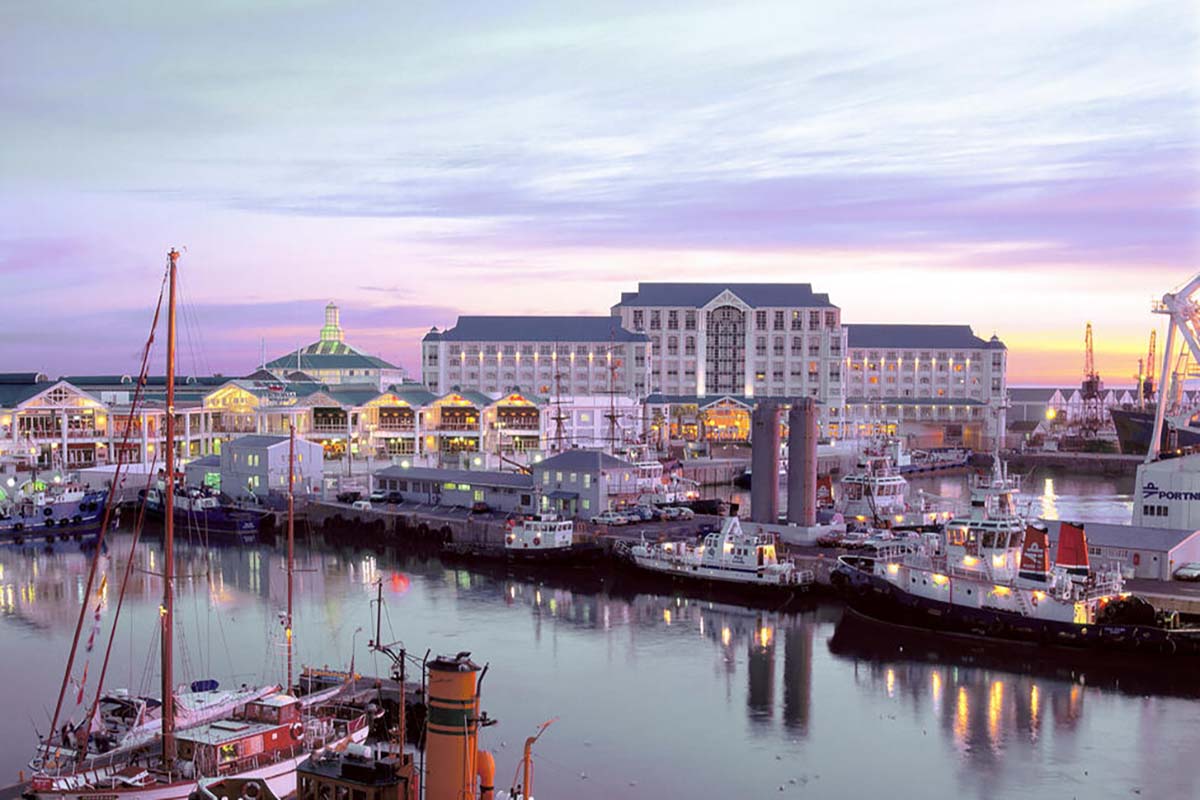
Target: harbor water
<point>654,695</point>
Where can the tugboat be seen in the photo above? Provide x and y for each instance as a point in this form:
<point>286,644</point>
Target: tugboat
<point>38,512</point>
<point>546,538</point>
<point>200,510</point>
<point>988,574</point>
<point>728,557</point>
<point>876,494</point>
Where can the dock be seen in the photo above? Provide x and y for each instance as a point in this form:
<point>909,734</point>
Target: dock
<point>1079,463</point>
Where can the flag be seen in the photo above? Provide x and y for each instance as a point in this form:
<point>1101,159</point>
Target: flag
<point>82,683</point>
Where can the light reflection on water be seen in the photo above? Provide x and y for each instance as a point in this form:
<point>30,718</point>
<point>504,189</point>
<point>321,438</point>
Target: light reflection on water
<point>657,696</point>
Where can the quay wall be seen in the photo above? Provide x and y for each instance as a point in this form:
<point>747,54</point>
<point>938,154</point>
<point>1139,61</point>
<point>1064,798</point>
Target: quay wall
<point>1077,463</point>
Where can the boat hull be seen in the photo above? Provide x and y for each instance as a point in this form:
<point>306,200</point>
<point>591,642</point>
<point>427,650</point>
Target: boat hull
<point>577,555</point>
<point>881,600</point>
<point>66,521</point>
<point>1135,430</point>
<point>221,525</point>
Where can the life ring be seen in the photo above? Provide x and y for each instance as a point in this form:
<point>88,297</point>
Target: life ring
<point>20,526</point>
<point>297,733</point>
<point>251,790</point>
<point>47,512</point>
<point>77,519</point>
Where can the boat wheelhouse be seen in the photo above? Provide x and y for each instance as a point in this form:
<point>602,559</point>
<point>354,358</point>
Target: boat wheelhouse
<point>547,537</point>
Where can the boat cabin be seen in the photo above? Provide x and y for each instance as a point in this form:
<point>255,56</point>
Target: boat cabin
<point>267,728</point>
<point>732,547</point>
<point>540,531</point>
<point>358,774</point>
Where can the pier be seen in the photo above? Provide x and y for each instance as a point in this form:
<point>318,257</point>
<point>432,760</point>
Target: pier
<point>1078,463</point>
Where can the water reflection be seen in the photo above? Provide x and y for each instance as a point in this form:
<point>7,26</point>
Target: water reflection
<point>639,678</point>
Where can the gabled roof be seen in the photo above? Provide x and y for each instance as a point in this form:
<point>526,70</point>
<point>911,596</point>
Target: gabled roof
<point>1031,394</point>
<point>261,375</point>
<point>206,461</point>
<point>908,336</point>
<point>477,399</point>
<point>255,440</point>
<point>698,295</point>
<point>1105,534</point>
<point>537,329</point>
<point>13,394</point>
<point>518,480</point>
<point>584,461</point>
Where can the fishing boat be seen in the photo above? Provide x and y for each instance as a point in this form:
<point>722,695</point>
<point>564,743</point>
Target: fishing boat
<point>728,557</point>
<point>201,511</point>
<point>988,574</point>
<point>37,511</point>
<point>263,740</point>
<point>547,538</point>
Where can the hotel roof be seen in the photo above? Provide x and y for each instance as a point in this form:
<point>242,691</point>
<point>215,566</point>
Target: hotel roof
<point>698,295</point>
<point>945,336</point>
<point>537,329</point>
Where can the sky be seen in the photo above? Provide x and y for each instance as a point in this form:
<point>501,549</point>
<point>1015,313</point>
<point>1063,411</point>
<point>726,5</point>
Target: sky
<point>1021,167</point>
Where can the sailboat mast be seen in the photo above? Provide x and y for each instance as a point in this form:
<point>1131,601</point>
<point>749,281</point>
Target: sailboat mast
<point>167,612</point>
<point>291,543</point>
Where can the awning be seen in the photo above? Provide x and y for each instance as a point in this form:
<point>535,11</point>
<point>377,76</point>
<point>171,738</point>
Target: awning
<point>563,495</point>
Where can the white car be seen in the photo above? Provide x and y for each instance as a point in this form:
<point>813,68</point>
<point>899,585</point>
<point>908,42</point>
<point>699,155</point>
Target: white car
<point>361,505</point>
<point>610,518</point>
<point>1188,572</point>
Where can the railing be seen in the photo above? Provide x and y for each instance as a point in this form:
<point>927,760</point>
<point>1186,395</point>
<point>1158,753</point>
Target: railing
<point>319,428</point>
<point>456,426</point>
<point>396,426</point>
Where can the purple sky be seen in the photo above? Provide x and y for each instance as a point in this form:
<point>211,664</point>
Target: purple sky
<point>1022,167</point>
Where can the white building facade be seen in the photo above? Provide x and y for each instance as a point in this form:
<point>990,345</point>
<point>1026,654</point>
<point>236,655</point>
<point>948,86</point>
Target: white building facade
<point>939,384</point>
<point>546,356</point>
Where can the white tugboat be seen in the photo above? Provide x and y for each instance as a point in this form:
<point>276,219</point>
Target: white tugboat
<point>988,574</point>
<point>876,494</point>
<point>546,537</point>
<point>729,557</point>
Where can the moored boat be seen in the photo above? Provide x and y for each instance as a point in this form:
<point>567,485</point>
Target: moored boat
<point>38,511</point>
<point>547,538</point>
<point>988,574</point>
<point>729,557</point>
<point>200,511</point>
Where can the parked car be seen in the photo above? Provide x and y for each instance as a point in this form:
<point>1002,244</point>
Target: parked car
<point>610,518</point>
<point>362,505</point>
<point>378,496</point>
<point>348,497</point>
<point>394,498</point>
<point>1188,572</point>
<point>642,513</point>
<point>686,513</point>
<point>855,540</point>
<point>830,539</point>
<point>480,508</point>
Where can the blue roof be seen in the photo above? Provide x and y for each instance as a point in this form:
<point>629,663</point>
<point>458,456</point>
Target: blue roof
<point>537,329</point>
<point>255,440</point>
<point>931,336</point>
<point>518,480</point>
<point>583,460</point>
<point>697,295</point>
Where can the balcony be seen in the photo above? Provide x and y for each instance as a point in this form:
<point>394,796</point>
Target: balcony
<point>324,427</point>
<point>457,426</point>
<point>401,427</point>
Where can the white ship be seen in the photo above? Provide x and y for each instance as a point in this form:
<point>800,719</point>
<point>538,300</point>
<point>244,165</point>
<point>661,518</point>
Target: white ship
<point>729,557</point>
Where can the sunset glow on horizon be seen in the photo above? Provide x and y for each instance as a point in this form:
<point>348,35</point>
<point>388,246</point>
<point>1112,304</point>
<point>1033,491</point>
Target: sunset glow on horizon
<point>1023,168</point>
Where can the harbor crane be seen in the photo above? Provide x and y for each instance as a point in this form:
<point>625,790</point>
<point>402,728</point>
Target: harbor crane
<point>1145,376</point>
<point>1183,317</point>
<point>1091,390</point>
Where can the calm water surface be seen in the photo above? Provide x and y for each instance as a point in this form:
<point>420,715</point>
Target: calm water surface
<point>656,696</point>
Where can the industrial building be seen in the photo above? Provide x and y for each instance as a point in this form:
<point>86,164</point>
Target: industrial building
<point>256,467</point>
<point>1141,552</point>
<point>582,483</point>
<point>500,491</point>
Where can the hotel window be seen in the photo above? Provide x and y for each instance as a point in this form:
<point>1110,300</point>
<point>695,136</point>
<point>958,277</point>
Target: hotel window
<point>797,345</point>
<point>639,320</point>
<point>655,320</point>
<point>777,376</point>
<point>689,321</point>
<point>797,321</point>
<point>831,319</point>
<point>760,320</point>
<point>455,349</point>
<point>760,346</point>
<point>835,374</point>
<point>689,346</point>
<point>526,349</point>
<point>672,345</point>
<point>777,346</point>
<point>996,364</point>
<point>814,320</point>
<point>760,376</point>
<point>778,321</point>
<point>510,349</point>
<point>672,320</point>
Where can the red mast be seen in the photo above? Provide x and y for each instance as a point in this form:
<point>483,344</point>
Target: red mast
<point>167,611</point>
<point>291,534</point>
